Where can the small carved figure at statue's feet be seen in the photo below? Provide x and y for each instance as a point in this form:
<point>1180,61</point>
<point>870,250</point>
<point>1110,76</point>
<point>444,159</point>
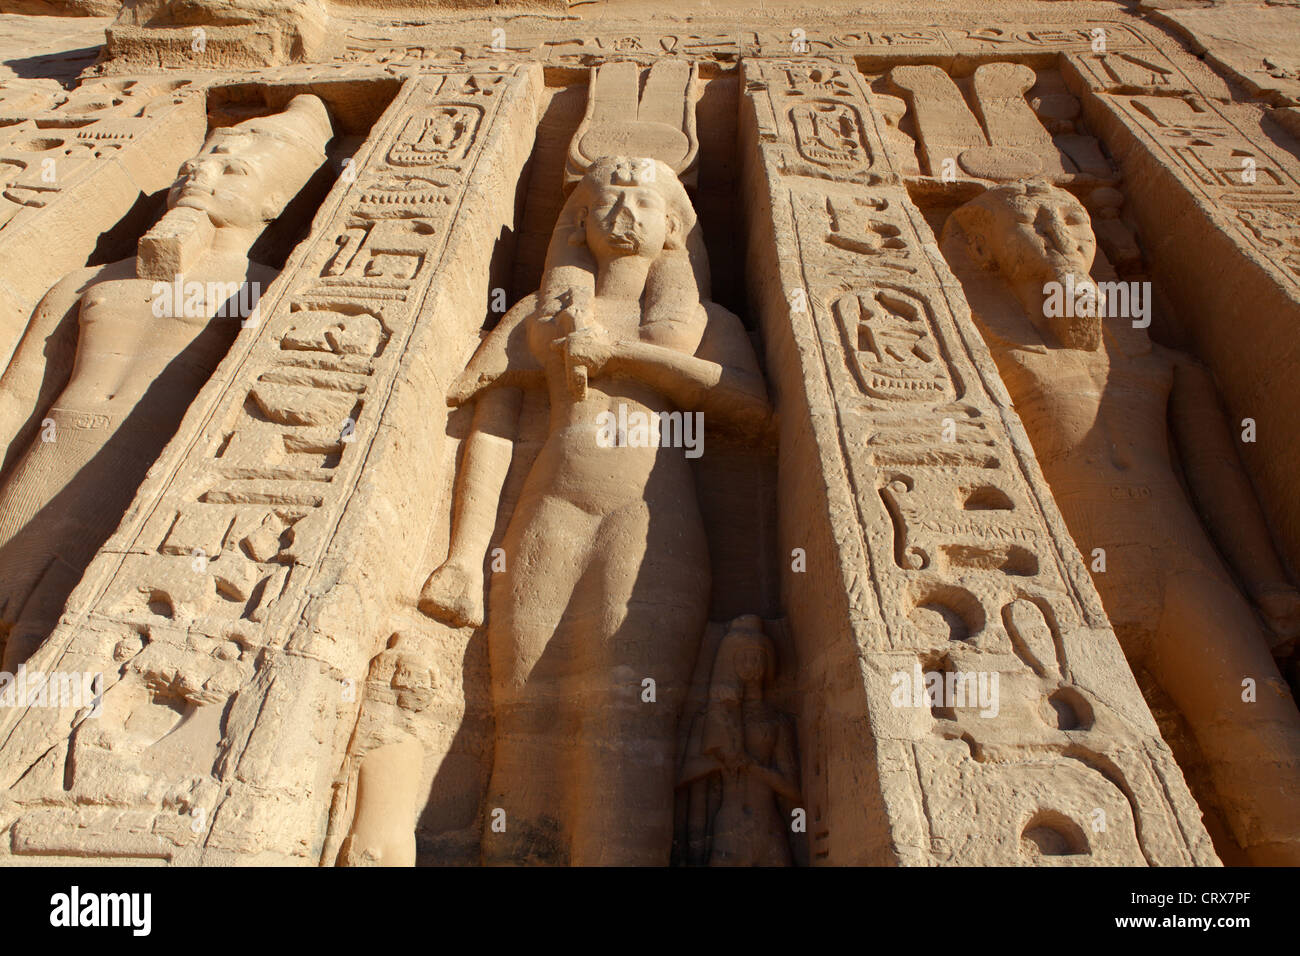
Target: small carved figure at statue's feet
<point>454,594</point>
<point>1280,606</point>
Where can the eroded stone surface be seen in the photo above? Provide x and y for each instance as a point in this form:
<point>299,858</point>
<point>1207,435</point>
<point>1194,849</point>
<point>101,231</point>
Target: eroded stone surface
<point>772,436</point>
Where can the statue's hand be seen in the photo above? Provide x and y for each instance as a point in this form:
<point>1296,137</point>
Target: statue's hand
<point>587,348</point>
<point>570,310</point>
<point>736,761</point>
<point>575,312</point>
<point>1280,605</point>
<point>454,594</point>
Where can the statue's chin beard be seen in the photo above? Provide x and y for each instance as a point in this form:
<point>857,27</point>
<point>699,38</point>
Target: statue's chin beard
<point>1077,332</point>
<point>199,202</point>
<point>623,244</point>
<point>1077,324</point>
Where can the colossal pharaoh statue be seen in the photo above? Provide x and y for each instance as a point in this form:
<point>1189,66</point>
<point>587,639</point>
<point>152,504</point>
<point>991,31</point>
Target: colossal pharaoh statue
<point>1100,400</point>
<point>114,355</point>
<point>606,579</point>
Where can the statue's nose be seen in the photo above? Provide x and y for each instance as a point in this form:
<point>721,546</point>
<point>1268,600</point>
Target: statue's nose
<point>621,216</point>
<point>203,174</point>
<point>1057,233</point>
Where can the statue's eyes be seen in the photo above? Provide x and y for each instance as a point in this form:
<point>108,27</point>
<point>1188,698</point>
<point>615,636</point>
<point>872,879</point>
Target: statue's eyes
<point>238,167</point>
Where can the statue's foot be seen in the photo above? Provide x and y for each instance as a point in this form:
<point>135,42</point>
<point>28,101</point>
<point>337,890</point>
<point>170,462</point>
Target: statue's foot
<point>453,594</point>
<point>357,852</point>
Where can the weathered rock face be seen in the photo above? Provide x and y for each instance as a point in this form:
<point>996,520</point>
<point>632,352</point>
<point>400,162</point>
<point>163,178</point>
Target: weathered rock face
<point>458,435</point>
<point>215,34</point>
<point>63,8</point>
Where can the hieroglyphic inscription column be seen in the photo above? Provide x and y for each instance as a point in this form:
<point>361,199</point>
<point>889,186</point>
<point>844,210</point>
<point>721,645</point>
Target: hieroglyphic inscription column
<point>237,607</point>
<point>936,549</point>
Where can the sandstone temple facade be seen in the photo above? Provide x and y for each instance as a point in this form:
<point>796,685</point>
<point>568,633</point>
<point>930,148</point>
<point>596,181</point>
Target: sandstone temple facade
<point>608,433</point>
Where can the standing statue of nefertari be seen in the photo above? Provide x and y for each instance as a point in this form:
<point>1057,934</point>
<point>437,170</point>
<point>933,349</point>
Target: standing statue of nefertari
<point>607,570</point>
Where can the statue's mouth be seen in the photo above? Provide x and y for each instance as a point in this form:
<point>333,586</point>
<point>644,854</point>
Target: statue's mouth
<point>188,190</point>
<point>1062,262</point>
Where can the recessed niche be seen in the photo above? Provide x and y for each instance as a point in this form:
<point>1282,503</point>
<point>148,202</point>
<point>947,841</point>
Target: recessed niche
<point>1051,833</point>
<point>987,498</point>
<point>1067,709</point>
<point>946,612</point>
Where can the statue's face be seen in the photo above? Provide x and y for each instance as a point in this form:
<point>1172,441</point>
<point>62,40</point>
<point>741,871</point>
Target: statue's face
<point>627,221</point>
<point>748,654</point>
<point>1038,239</point>
<point>1044,235</point>
<point>245,175</point>
<point>751,662</point>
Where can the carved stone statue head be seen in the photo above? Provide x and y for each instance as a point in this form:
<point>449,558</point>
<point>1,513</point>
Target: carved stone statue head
<point>246,174</point>
<point>1032,233</point>
<point>630,206</point>
<point>625,206</point>
<point>746,654</point>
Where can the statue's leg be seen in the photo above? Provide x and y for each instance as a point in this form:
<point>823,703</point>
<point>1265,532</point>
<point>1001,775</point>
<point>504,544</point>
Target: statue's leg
<point>644,604</point>
<point>383,830</point>
<point>546,552</point>
<point>60,504</point>
<point>24,553</point>
<point>1208,643</point>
